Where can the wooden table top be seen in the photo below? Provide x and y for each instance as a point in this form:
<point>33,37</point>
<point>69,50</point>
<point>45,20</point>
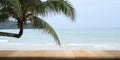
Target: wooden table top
<point>61,54</point>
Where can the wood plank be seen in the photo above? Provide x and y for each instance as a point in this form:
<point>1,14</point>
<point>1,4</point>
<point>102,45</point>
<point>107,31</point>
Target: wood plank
<point>63,54</point>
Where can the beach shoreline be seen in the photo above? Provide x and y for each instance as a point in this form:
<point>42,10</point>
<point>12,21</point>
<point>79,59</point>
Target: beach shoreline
<point>52,46</point>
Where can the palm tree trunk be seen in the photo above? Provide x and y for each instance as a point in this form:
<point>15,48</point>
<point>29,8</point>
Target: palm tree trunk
<point>12,34</point>
<point>21,29</point>
<point>8,34</point>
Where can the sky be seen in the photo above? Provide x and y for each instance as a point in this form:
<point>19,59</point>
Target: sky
<point>89,14</point>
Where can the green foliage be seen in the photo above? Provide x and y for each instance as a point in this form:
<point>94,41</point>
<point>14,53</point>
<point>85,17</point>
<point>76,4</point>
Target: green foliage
<point>57,7</point>
<point>3,17</point>
<point>41,24</point>
<point>28,10</point>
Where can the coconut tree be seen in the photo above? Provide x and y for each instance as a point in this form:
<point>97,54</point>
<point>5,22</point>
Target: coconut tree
<point>29,10</point>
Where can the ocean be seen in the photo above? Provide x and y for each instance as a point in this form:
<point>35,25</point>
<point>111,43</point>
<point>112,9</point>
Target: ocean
<point>93,39</point>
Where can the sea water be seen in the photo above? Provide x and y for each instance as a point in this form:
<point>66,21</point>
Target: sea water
<point>108,39</point>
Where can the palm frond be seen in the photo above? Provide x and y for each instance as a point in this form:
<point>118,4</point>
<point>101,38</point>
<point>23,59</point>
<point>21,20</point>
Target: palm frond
<point>2,2</point>
<point>3,14</point>
<point>57,6</point>
<point>41,24</point>
<point>3,17</point>
<point>16,6</point>
<point>29,5</point>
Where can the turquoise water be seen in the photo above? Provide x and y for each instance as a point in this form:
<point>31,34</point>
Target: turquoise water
<point>90,39</point>
<point>91,36</point>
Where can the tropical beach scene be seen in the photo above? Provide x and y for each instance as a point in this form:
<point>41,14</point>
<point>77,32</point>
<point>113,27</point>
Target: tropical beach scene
<point>60,28</point>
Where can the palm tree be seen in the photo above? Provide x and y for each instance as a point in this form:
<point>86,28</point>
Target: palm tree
<point>29,10</point>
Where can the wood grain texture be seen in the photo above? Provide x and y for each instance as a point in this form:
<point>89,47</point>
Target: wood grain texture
<point>62,54</point>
